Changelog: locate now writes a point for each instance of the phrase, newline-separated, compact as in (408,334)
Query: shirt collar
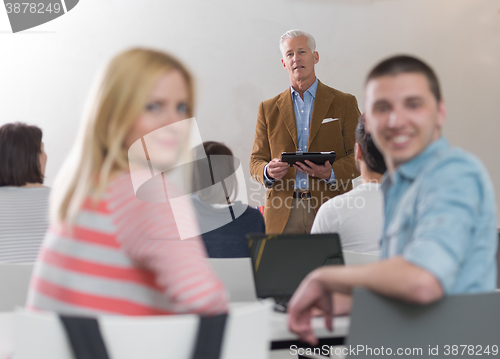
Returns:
(412,168)
(312,89)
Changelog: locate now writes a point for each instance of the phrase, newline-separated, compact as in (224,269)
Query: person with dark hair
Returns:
(24,200)
(358,215)
(224,221)
(440,230)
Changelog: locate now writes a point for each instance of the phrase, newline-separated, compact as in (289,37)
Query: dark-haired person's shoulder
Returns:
(253,215)
(254,212)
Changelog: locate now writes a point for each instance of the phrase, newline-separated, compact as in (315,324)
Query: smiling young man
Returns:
(309,117)
(440,232)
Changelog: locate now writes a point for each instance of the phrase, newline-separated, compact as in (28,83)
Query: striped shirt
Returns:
(124,256)
(23,222)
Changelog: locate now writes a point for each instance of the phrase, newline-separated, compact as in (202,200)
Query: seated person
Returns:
(110,248)
(358,215)
(224,222)
(24,200)
(440,230)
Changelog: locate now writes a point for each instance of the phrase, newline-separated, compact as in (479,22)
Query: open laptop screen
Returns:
(280,262)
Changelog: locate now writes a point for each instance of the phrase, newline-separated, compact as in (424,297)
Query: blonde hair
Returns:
(120,98)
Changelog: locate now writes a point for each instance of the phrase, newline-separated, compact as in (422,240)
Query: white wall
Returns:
(232,48)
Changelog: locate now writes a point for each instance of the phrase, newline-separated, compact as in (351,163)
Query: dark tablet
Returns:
(317,158)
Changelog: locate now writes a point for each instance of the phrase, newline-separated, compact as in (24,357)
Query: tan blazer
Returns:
(276,132)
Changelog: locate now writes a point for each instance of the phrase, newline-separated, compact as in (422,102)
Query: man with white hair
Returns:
(307,117)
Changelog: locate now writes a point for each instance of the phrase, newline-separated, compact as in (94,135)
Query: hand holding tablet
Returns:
(318,158)
(315,164)
(277,169)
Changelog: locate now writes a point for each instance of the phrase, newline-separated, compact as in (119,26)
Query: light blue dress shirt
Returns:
(303,112)
(440,215)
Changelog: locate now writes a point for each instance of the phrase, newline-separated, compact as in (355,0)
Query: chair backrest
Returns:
(41,335)
(468,319)
(237,276)
(355,258)
(14,283)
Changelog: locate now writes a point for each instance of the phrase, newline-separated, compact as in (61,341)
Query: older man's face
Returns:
(299,60)
(402,116)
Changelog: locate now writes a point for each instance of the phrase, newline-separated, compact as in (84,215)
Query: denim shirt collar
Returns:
(412,168)
(312,89)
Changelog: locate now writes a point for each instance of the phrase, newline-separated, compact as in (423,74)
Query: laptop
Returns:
(281,262)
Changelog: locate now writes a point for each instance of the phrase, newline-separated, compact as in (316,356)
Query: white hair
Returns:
(292,34)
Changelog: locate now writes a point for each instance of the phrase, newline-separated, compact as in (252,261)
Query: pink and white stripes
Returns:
(124,256)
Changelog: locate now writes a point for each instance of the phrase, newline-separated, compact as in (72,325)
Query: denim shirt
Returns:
(440,215)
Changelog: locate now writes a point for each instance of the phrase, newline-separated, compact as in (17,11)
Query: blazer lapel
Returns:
(322,103)
(285,107)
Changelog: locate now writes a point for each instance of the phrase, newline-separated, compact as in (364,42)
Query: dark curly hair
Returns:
(371,155)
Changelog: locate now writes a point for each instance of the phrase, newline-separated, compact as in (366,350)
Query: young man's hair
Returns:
(20,149)
(371,155)
(406,64)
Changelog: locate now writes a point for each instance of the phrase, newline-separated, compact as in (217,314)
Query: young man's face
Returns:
(402,116)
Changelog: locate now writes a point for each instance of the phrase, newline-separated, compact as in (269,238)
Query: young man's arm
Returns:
(393,277)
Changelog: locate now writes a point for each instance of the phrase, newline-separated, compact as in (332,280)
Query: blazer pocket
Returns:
(333,126)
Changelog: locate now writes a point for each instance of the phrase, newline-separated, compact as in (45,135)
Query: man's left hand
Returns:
(320,171)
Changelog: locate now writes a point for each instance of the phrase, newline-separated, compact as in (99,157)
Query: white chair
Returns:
(14,283)
(355,258)
(41,335)
(237,276)
(6,334)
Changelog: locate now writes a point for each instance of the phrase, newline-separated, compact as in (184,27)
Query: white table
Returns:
(280,336)
(6,334)
(279,327)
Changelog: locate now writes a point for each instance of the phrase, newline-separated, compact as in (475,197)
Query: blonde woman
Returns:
(108,252)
